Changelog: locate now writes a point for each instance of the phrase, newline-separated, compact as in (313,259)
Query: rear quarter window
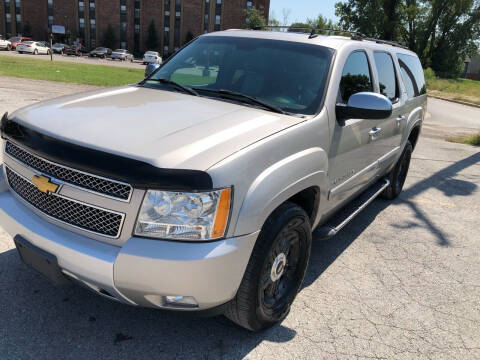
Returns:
(412,75)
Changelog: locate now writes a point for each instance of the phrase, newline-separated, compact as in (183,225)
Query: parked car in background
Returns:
(45,43)
(121,54)
(33,47)
(152,57)
(101,52)
(14,41)
(5,44)
(74,50)
(59,48)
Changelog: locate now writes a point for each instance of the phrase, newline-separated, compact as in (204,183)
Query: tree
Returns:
(286,15)
(109,38)
(152,38)
(272,20)
(441,32)
(255,18)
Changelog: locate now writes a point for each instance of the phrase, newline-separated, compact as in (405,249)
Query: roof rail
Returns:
(313,31)
(386,42)
(313,34)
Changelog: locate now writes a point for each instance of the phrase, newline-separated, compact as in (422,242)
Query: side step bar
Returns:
(352,209)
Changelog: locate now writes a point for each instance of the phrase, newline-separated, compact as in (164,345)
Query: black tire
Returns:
(398,174)
(35,52)
(287,230)
(9,47)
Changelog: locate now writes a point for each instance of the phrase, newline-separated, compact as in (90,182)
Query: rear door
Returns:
(387,144)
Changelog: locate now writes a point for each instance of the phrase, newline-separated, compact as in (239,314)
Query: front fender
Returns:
(278,183)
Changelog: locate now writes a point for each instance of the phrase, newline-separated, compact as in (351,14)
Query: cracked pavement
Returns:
(401,281)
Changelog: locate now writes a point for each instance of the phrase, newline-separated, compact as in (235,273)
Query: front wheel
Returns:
(399,173)
(9,47)
(35,52)
(275,270)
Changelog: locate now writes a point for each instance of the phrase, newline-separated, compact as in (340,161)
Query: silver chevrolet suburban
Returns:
(198,188)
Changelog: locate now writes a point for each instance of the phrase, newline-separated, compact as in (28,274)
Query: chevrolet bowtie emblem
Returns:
(44,184)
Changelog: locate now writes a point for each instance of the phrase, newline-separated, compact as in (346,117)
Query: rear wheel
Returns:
(275,270)
(35,52)
(399,173)
(9,47)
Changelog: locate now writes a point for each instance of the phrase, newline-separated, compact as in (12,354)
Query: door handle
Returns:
(374,133)
(400,119)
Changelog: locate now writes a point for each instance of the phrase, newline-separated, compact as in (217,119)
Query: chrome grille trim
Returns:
(74,213)
(93,183)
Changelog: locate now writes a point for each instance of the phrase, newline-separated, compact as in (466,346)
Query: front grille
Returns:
(74,177)
(86,217)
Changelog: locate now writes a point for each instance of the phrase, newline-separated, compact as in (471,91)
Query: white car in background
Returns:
(5,44)
(152,57)
(33,47)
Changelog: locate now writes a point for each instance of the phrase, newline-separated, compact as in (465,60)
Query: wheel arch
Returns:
(300,179)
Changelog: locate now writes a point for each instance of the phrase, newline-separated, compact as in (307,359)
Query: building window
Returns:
(218,15)
(136,35)
(93,25)
(50,13)
(249,5)
(206,18)
(123,45)
(166,30)
(178,15)
(123,22)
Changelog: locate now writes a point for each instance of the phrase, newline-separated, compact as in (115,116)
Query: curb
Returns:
(455,101)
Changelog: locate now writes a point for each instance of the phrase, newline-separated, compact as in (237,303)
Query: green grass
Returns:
(455,89)
(473,140)
(43,69)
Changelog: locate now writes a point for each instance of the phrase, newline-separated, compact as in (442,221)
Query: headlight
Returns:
(184,215)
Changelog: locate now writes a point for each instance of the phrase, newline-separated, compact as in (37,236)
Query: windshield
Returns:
(14,39)
(98,49)
(120,50)
(27,42)
(151,53)
(287,75)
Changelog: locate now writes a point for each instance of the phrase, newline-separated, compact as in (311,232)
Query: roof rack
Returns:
(386,42)
(353,34)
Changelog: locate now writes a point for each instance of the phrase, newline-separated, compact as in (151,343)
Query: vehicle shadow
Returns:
(40,321)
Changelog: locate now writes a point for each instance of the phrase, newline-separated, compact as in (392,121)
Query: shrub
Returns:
(429,74)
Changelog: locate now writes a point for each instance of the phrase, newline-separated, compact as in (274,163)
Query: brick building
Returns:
(175,21)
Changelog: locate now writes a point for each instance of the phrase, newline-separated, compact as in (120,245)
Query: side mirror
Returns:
(150,69)
(365,105)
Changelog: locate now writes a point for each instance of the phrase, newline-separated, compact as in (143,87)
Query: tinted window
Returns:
(386,75)
(412,75)
(356,76)
(284,74)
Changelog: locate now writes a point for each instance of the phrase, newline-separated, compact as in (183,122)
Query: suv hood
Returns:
(164,128)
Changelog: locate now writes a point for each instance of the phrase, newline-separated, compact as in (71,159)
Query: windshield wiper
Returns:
(185,89)
(244,98)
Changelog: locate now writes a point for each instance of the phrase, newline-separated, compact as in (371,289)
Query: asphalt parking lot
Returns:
(137,64)
(401,281)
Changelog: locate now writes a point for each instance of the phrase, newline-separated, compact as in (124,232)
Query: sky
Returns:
(303,9)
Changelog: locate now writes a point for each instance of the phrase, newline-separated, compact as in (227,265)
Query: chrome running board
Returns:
(350,210)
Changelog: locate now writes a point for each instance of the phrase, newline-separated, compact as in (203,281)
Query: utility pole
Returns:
(51,41)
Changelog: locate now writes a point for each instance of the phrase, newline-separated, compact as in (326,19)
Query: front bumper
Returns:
(141,272)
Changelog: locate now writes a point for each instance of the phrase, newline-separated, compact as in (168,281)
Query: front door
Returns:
(353,163)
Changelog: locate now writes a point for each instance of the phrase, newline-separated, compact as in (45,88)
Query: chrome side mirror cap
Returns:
(365,105)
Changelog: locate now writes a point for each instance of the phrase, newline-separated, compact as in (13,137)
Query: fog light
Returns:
(180,301)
